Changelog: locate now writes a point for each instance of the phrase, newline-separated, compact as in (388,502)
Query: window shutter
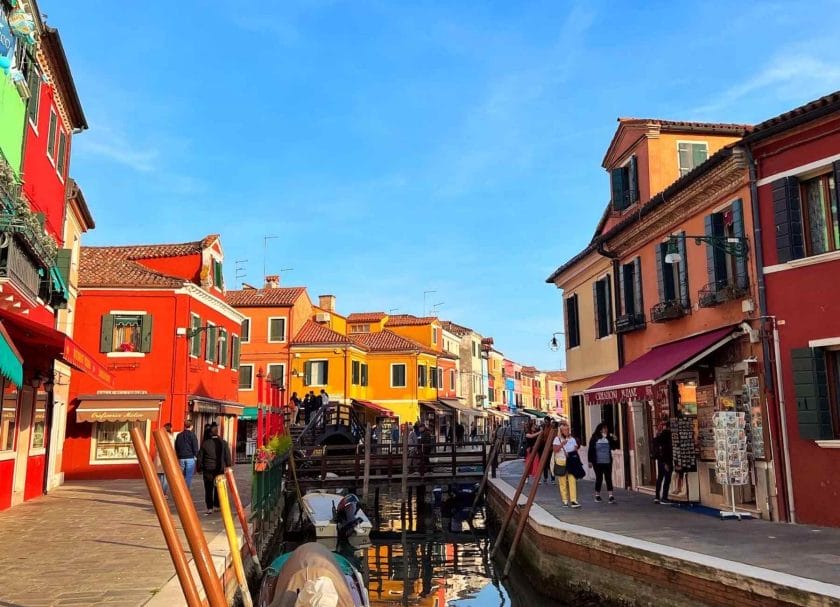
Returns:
(223,347)
(146,333)
(234,355)
(810,384)
(621,306)
(62,263)
(633,182)
(210,349)
(715,260)
(307,373)
(106,336)
(326,372)
(608,304)
(364,374)
(638,300)
(741,273)
(660,279)
(617,179)
(699,153)
(685,300)
(596,308)
(788,217)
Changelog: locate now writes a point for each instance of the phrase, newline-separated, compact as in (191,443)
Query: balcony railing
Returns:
(18,266)
(629,322)
(667,310)
(719,292)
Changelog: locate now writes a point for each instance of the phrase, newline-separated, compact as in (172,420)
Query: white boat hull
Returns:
(320,509)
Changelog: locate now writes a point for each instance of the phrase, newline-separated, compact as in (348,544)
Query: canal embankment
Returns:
(639,553)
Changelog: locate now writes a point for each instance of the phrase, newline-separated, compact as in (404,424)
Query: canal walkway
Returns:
(805,556)
(93,543)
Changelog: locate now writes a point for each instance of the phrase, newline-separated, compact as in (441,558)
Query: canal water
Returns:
(425,555)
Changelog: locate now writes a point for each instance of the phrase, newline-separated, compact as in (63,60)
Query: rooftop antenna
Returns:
(426,293)
(436,306)
(241,270)
(392,310)
(266,238)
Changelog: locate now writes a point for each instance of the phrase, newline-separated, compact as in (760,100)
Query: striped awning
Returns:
(118,407)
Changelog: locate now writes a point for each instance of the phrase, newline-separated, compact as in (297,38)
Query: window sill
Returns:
(112,462)
(803,262)
(36,451)
(126,354)
(7,455)
(828,444)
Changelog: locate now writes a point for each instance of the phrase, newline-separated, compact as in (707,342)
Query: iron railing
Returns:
(667,310)
(719,292)
(629,322)
(17,266)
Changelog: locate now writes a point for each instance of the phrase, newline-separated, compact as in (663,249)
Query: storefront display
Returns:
(732,466)
(705,423)
(113,441)
(683,441)
(756,425)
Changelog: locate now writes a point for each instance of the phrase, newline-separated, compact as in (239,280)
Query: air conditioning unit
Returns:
(322,317)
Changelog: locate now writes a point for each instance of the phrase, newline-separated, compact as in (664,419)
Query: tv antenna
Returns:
(241,270)
(266,238)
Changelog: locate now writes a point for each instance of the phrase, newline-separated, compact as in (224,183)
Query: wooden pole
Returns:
(243,520)
(483,483)
(528,461)
(366,479)
(405,464)
(233,542)
(189,521)
(167,523)
(523,515)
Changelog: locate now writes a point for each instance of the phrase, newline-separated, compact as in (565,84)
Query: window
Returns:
(39,422)
(672,278)
(51,135)
(234,352)
(725,270)
(625,185)
(630,291)
(360,328)
(221,359)
(434,335)
(433,377)
(61,161)
(113,441)
(398,375)
(8,416)
(316,373)
(126,333)
(422,379)
(364,371)
(210,347)
(195,335)
(691,154)
(246,331)
(277,372)
(603,306)
(276,330)
(491,394)
(452,379)
(816,383)
(440,378)
(218,276)
(34,102)
(475,348)
(572,321)
(820,214)
(246,377)
(355,373)
(577,422)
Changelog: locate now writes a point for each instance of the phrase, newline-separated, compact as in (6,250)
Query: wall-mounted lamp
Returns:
(554,344)
(737,246)
(190,333)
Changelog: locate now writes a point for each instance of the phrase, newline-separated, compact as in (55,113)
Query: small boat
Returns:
(312,576)
(335,515)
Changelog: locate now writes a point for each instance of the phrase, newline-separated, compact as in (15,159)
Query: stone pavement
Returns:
(92,543)
(803,550)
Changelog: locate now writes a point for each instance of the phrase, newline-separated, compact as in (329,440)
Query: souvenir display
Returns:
(683,442)
(705,425)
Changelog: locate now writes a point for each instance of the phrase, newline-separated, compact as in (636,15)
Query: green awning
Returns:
(536,413)
(11,365)
(248,413)
(58,280)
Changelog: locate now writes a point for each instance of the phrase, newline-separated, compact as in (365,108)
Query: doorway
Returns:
(26,401)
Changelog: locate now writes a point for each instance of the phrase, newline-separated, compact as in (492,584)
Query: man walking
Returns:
(158,465)
(213,458)
(186,448)
(663,451)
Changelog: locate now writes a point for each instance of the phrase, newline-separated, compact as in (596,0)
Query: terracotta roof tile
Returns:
(556,375)
(313,333)
(723,128)
(357,317)
(277,297)
(456,329)
(405,320)
(118,267)
(811,110)
(386,341)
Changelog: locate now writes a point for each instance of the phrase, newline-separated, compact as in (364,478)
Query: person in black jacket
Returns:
(663,451)
(213,458)
(186,448)
(601,446)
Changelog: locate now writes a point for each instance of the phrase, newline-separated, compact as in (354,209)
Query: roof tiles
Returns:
(273,297)
(360,317)
(406,320)
(313,333)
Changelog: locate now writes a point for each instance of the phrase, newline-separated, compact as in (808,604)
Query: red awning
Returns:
(635,380)
(40,344)
(379,409)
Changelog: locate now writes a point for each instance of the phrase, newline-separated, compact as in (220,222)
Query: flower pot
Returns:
(260,466)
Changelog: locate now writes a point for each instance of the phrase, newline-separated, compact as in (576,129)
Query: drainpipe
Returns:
(773,387)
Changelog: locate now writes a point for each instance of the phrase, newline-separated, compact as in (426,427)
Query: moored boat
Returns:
(334,515)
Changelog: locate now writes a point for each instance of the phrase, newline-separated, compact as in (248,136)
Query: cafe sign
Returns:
(612,395)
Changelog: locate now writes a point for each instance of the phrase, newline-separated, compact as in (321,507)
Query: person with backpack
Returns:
(213,458)
(186,448)
(601,446)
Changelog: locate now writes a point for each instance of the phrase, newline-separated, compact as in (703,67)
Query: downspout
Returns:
(774,388)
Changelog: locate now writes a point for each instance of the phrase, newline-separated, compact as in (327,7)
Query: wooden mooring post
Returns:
(404,488)
(366,478)
(483,484)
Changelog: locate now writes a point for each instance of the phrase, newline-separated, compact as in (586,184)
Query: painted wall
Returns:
(259,352)
(12,115)
(448,389)
(338,365)
(421,334)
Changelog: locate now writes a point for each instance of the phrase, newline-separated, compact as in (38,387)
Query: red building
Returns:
(796,161)
(157,317)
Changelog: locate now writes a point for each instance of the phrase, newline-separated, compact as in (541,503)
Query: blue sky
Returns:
(396,148)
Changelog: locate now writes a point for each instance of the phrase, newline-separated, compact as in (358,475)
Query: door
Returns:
(25,411)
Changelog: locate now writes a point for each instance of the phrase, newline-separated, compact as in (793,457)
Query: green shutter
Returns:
(364,374)
(618,191)
(682,290)
(223,347)
(622,306)
(699,153)
(608,301)
(62,262)
(638,298)
(660,274)
(633,181)
(787,210)
(106,335)
(810,384)
(195,339)
(234,352)
(210,345)
(146,333)
(741,277)
(307,373)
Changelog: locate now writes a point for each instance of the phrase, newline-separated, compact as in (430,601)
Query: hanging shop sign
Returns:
(684,443)
(611,395)
(7,39)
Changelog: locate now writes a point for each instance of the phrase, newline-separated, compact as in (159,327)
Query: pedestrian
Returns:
(213,458)
(426,442)
(395,434)
(663,451)
(206,433)
(601,446)
(564,446)
(444,430)
(460,432)
(159,465)
(186,448)
(309,406)
(473,433)
(531,435)
(294,403)
(325,398)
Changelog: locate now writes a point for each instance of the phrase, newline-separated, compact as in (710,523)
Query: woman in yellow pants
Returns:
(564,444)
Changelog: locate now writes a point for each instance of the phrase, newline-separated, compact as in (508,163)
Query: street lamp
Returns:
(737,246)
(554,344)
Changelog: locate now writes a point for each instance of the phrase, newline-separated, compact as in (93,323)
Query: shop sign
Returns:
(7,38)
(81,360)
(117,416)
(619,395)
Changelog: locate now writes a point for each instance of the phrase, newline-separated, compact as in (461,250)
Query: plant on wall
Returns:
(17,216)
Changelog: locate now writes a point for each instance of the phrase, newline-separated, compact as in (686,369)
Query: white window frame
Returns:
(242,339)
(196,336)
(690,142)
(250,366)
(434,335)
(312,375)
(405,375)
(51,153)
(268,367)
(207,343)
(285,330)
(111,462)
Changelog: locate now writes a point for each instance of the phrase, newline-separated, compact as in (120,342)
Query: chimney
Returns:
(327,302)
(272,281)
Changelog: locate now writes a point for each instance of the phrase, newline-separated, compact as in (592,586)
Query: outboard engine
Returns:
(346,517)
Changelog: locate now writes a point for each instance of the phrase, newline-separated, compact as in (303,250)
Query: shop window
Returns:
(277,372)
(577,420)
(195,335)
(246,377)
(433,383)
(126,333)
(572,321)
(602,293)
(625,185)
(246,331)
(691,154)
(316,373)
(422,375)
(39,422)
(398,375)
(8,416)
(276,330)
(113,441)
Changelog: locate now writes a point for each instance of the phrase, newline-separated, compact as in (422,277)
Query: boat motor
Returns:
(346,515)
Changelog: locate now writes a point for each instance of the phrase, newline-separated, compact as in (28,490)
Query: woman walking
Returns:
(564,445)
(531,435)
(601,446)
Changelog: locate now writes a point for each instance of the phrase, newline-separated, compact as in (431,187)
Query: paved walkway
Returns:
(802,550)
(92,543)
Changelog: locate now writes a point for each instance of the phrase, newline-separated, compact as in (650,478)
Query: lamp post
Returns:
(737,246)
(554,344)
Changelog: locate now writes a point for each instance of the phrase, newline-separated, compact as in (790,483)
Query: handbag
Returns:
(559,468)
(576,466)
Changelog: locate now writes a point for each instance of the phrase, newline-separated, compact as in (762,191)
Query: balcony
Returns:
(629,322)
(721,291)
(17,266)
(667,310)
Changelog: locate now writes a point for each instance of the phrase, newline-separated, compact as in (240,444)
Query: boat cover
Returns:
(312,577)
